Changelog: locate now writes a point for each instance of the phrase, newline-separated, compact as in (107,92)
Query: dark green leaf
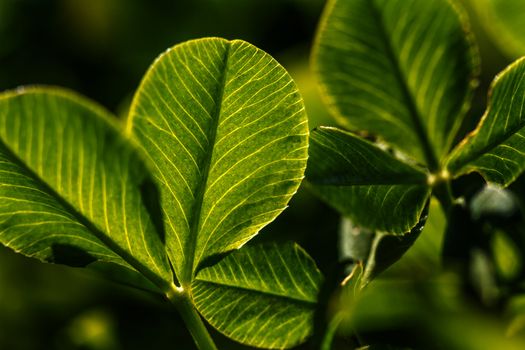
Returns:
(370,186)
(424,257)
(377,251)
(400,69)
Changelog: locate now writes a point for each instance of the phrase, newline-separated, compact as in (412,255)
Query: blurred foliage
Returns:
(101,49)
(503,21)
(423,315)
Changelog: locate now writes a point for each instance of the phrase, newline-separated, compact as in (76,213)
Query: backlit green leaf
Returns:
(496,149)
(222,140)
(69,186)
(400,69)
(365,183)
(225,130)
(262,295)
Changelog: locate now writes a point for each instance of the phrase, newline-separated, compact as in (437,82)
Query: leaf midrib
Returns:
(267,293)
(421,133)
(110,243)
(190,267)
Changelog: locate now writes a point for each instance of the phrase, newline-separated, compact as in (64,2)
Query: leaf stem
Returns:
(443,193)
(182,300)
(331,331)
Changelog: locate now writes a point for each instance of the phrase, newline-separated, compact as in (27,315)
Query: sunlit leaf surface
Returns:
(70,186)
(226,132)
(261,295)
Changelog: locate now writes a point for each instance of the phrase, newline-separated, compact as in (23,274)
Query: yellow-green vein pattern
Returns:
(224,127)
(262,295)
(69,186)
(496,149)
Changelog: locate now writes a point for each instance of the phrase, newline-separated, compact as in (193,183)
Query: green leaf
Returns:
(365,183)
(224,128)
(354,241)
(69,186)
(262,295)
(376,251)
(424,257)
(508,260)
(387,249)
(503,21)
(401,69)
(496,149)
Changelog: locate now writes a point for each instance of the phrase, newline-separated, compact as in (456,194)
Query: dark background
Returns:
(101,48)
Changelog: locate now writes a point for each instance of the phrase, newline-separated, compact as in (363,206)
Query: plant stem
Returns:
(331,330)
(182,301)
(443,193)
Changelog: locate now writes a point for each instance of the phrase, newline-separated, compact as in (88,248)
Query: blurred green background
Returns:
(101,48)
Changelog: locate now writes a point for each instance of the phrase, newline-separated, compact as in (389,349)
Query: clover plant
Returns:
(399,77)
(214,147)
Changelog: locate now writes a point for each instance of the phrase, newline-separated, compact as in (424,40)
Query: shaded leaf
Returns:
(400,69)
(377,251)
(387,249)
(262,295)
(365,183)
(424,257)
(69,186)
(354,241)
(226,133)
(496,149)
